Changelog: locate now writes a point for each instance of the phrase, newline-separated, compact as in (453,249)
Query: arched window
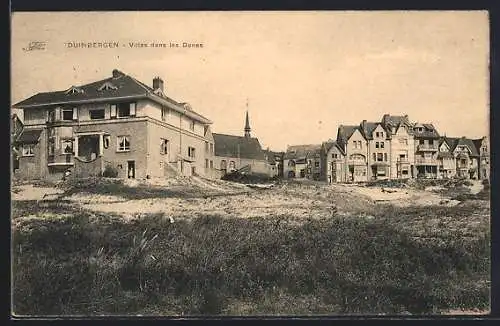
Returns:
(291,163)
(223,165)
(232,165)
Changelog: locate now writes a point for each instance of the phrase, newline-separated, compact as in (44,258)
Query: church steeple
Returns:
(247,127)
(247,124)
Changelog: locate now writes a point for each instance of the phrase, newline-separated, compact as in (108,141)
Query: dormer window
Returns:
(74,90)
(107,86)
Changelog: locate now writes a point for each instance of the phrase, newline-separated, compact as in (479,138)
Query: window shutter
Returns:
(75,113)
(132,109)
(113,111)
(162,147)
(47,116)
(58,114)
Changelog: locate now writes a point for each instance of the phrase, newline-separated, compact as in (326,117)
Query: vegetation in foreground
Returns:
(399,260)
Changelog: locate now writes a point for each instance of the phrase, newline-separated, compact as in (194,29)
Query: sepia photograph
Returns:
(250,163)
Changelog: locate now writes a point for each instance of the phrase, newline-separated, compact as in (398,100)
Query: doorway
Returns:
(131,169)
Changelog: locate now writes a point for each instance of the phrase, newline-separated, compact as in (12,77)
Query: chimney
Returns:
(158,83)
(363,125)
(117,73)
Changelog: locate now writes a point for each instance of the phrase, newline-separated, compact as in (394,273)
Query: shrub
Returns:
(110,172)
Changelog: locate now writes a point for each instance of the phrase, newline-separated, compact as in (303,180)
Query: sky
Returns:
(300,74)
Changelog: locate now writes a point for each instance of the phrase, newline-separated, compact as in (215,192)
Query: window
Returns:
(51,116)
(211,164)
(123,143)
(357,144)
(334,156)
(357,157)
(67,114)
(165,112)
(164,146)
(206,163)
(382,144)
(191,152)
(379,157)
(421,141)
(377,134)
(405,172)
(376,145)
(206,147)
(191,125)
(67,146)
(106,141)
(211,148)
(123,110)
(223,165)
(431,141)
(385,157)
(96,114)
(402,157)
(316,164)
(28,150)
(232,165)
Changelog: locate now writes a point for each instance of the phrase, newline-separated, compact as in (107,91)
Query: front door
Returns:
(131,169)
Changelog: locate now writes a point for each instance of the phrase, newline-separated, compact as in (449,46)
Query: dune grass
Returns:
(90,263)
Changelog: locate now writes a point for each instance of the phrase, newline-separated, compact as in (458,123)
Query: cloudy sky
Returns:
(304,73)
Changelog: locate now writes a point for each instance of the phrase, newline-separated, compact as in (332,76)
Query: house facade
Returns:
(426,150)
(446,159)
(483,148)
(402,147)
(118,124)
(302,162)
(333,162)
(351,139)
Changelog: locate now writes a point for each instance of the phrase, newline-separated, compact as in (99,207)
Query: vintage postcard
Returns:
(250,163)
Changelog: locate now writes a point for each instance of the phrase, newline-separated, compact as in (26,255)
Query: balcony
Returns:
(60,160)
(427,161)
(427,147)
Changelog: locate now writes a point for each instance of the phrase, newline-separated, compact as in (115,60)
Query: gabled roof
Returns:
(454,142)
(120,86)
(331,143)
(29,136)
(429,131)
(302,151)
(394,120)
(345,132)
(367,129)
(237,146)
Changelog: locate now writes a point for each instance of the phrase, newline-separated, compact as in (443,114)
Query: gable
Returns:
(444,147)
(208,134)
(356,135)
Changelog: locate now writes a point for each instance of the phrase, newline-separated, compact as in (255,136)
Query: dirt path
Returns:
(28,192)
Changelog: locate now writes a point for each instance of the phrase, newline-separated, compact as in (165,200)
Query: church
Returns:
(240,153)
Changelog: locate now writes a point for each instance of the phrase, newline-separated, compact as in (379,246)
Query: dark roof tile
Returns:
(238,146)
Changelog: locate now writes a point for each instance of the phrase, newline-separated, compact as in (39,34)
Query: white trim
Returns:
(89,133)
(60,163)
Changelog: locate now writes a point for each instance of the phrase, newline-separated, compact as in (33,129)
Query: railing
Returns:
(429,161)
(427,147)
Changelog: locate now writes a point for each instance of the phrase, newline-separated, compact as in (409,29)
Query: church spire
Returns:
(247,125)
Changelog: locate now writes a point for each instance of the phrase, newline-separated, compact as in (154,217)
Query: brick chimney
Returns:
(117,73)
(158,83)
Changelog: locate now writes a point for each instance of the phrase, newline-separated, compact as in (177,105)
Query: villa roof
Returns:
(29,136)
(118,87)
(294,152)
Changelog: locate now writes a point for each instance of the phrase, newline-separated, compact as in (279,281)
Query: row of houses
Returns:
(392,148)
(121,124)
